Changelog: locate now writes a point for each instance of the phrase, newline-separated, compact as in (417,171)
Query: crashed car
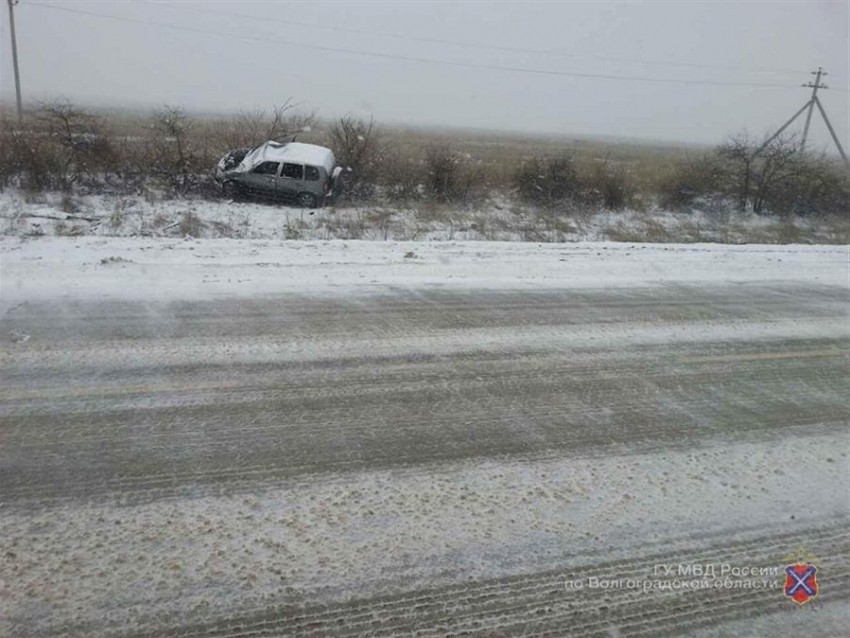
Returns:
(304,173)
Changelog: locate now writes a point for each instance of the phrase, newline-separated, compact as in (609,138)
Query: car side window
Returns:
(311,173)
(266,168)
(293,171)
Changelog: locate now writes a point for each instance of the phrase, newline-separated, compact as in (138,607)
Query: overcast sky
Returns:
(232,61)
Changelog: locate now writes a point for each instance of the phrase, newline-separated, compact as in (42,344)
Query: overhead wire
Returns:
(460,43)
(410,58)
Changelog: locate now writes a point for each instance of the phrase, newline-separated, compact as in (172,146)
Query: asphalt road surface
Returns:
(115,413)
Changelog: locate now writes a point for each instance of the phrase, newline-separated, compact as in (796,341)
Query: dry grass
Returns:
(464,181)
(834,229)
(499,151)
(190,225)
(488,159)
(648,230)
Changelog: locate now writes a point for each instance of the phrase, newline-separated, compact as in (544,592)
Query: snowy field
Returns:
(497,219)
(240,437)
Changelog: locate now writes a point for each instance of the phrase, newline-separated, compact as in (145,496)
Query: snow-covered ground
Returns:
(157,268)
(498,219)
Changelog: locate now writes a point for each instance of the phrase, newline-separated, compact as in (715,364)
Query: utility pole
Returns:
(12,4)
(813,102)
(817,85)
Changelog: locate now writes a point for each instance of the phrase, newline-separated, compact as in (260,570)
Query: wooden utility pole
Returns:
(818,74)
(18,102)
(813,102)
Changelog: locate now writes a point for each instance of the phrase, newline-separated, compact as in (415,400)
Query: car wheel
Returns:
(307,200)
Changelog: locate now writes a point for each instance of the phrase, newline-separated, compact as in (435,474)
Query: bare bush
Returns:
(80,143)
(172,158)
(822,187)
(789,182)
(776,165)
(357,146)
(734,168)
(548,181)
(27,158)
(442,172)
(59,146)
(609,184)
(560,186)
(190,225)
(751,172)
(693,178)
(401,178)
(471,183)
(449,178)
(250,128)
(774,177)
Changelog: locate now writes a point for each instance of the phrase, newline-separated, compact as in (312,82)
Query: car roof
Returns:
(295,152)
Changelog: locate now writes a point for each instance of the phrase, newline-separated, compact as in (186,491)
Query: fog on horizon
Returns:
(424,63)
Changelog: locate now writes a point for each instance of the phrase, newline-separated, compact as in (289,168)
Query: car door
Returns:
(262,177)
(291,181)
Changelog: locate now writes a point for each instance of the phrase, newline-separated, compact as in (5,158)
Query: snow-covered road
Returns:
(245,438)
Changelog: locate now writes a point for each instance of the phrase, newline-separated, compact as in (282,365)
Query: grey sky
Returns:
(96,60)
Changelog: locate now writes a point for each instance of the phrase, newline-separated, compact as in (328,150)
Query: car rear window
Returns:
(294,171)
(311,173)
(267,168)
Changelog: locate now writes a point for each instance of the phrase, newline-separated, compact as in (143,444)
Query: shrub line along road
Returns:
(412,460)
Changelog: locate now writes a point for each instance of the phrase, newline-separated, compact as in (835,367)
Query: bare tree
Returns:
(357,146)
(751,173)
(172,155)
(776,177)
(780,163)
(81,145)
(281,124)
(735,168)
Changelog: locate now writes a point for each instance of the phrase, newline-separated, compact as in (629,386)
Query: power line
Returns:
(465,44)
(406,58)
